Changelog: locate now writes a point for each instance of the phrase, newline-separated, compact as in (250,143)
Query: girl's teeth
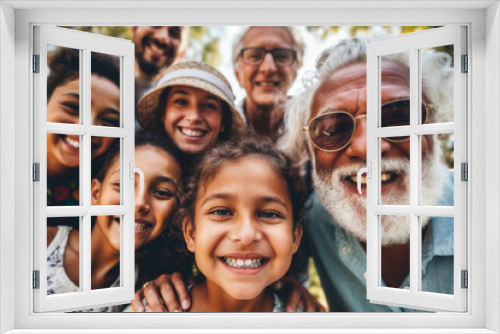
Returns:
(72,142)
(246,264)
(140,227)
(192,133)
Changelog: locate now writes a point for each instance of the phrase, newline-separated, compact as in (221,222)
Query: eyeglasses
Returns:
(332,131)
(281,56)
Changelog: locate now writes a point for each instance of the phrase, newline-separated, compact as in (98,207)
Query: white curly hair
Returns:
(437,86)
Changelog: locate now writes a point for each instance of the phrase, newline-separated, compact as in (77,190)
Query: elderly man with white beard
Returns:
(336,223)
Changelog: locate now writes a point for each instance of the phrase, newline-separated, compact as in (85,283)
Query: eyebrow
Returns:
(114,172)
(217,196)
(273,199)
(75,95)
(266,199)
(166,179)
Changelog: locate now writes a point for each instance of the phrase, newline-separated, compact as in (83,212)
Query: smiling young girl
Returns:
(241,218)
(193,105)
(153,212)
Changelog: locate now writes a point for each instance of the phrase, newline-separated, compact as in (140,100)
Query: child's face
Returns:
(192,118)
(242,236)
(153,208)
(63,107)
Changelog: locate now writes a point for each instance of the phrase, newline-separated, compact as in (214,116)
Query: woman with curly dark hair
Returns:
(63,106)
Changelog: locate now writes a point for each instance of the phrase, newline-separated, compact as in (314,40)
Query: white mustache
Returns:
(397,166)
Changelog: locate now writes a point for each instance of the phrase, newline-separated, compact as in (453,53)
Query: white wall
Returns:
(492,151)
(7,166)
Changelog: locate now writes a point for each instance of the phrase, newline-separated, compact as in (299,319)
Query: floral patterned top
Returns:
(63,192)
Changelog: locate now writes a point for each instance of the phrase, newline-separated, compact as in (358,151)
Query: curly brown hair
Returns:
(64,65)
(176,254)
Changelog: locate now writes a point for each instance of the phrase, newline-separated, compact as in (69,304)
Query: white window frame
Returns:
(86,43)
(483,20)
(414,43)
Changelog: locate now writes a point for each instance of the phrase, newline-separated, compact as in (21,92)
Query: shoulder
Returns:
(51,234)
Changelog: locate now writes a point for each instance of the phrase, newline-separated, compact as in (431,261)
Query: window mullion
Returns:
(414,171)
(85,176)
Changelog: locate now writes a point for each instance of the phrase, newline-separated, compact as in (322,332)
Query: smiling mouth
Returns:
(159,50)
(244,263)
(192,133)
(141,225)
(73,143)
(385,177)
(267,84)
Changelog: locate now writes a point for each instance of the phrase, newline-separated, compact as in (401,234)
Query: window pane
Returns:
(437,254)
(63,85)
(395,172)
(106,157)
(437,170)
(395,250)
(105,90)
(437,88)
(395,103)
(105,242)
(63,256)
(63,169)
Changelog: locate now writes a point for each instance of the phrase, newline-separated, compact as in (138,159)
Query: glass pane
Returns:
(437,254)
(395,91)
(105,241)
(63,169)
(437,186)
(105,187)
(437,83)
(63,85)
(395,172)
(395,250)
(105,89)
(63,256)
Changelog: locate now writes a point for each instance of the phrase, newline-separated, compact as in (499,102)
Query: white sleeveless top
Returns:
(57,279)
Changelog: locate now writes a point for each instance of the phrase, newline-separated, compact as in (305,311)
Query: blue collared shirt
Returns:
(341,260)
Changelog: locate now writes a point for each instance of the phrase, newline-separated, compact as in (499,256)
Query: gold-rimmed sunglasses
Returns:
(333,130)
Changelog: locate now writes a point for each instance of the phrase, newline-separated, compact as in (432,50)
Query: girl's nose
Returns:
(193,114)
(246,231)
(142,202)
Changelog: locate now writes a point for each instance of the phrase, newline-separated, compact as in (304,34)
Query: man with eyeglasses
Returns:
(265,63)
(328,123)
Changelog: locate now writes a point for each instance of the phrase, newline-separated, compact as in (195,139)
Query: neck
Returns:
(56,170)
(266,120)
(104,260)
(209,297)
(395,263)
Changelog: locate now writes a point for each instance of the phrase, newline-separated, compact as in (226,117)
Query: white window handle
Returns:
(139,171)
(362,171)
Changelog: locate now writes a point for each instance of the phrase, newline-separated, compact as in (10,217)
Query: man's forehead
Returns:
(351,79)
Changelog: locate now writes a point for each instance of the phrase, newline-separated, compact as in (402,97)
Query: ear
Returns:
(239,77)
(297,236)
(95,191)
(189,234)
(134,30)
